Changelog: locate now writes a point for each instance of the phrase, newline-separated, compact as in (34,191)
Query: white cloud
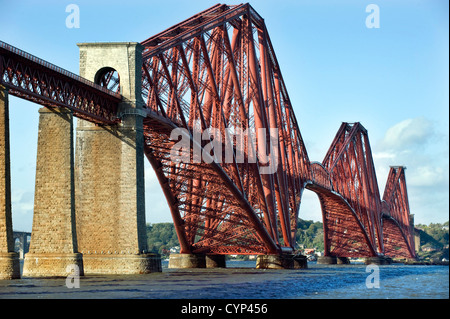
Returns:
(383,155)
(22,205)
(427,176)
(417,144)
(408,134)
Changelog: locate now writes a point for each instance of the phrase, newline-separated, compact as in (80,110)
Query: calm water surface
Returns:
(241,281)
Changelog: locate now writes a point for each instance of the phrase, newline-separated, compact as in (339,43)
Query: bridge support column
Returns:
(187,260)
(378,260)
(196,261)
(327,260)
(23,243)
(110,171)
(300,262)
(333,260)
(53,244)
(9,260)
(215,261)
(110,199)
(343,260)
(283,261)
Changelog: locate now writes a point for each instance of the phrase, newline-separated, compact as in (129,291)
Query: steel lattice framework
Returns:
(39,81)
(351,210)
(357,222)
(398,232)
(218,70)
(209,79)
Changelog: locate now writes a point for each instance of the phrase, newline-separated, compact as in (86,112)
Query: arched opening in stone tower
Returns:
(108,78)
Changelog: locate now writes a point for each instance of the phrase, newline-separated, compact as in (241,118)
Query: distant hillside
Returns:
(309,235)
(161,237)
(434,238)
(433,235)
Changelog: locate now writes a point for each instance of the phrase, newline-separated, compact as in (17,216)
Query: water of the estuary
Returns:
(240,280)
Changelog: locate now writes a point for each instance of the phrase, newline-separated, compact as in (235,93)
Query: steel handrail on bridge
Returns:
(320,175)
(39,81)
(56,68)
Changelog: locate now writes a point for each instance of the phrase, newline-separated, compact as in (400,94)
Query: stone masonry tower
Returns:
(53,245)
(109,170)
(9,260)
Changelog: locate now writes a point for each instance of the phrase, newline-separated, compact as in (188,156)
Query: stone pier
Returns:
(283,261)
(378,260)
(187,260)
(327,260)
(343,260)
(9,260)
(333,260)
(110,170)
(53,244)
(215,261)
(196,261)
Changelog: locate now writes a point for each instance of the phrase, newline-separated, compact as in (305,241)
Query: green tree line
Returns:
(434,240)
(434,235)
(162,236)
(309,235)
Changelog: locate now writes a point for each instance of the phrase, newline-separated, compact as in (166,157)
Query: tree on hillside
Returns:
(161,237)
(436,234)
(309,234)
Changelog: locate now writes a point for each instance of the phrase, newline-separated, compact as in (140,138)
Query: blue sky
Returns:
(393,79)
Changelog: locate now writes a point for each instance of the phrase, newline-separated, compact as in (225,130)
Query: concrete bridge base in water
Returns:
(196,261)
(333,260)
(284,261)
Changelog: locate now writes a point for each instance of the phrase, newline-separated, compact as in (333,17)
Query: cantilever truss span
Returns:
(357,222)
(222,137)
(218,71)
(397,223)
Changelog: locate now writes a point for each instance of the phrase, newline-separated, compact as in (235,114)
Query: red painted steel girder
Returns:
(398,225)
(352,175)
(210,71)
(357,222)
(344,235)
(36,80)
(218,70)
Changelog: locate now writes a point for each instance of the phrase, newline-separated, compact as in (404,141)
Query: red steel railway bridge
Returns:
(213,75)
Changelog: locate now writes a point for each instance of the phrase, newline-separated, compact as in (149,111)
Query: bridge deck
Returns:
(39,81)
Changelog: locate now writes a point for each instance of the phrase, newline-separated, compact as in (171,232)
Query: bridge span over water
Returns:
(206,104)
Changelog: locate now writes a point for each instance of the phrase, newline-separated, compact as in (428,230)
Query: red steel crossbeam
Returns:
(34,79)
(218,70)
(352,174)
(398,228)
(353,212)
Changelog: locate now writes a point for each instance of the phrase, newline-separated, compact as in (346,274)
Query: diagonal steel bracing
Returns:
(212,78)
(39,81)
(218,70)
